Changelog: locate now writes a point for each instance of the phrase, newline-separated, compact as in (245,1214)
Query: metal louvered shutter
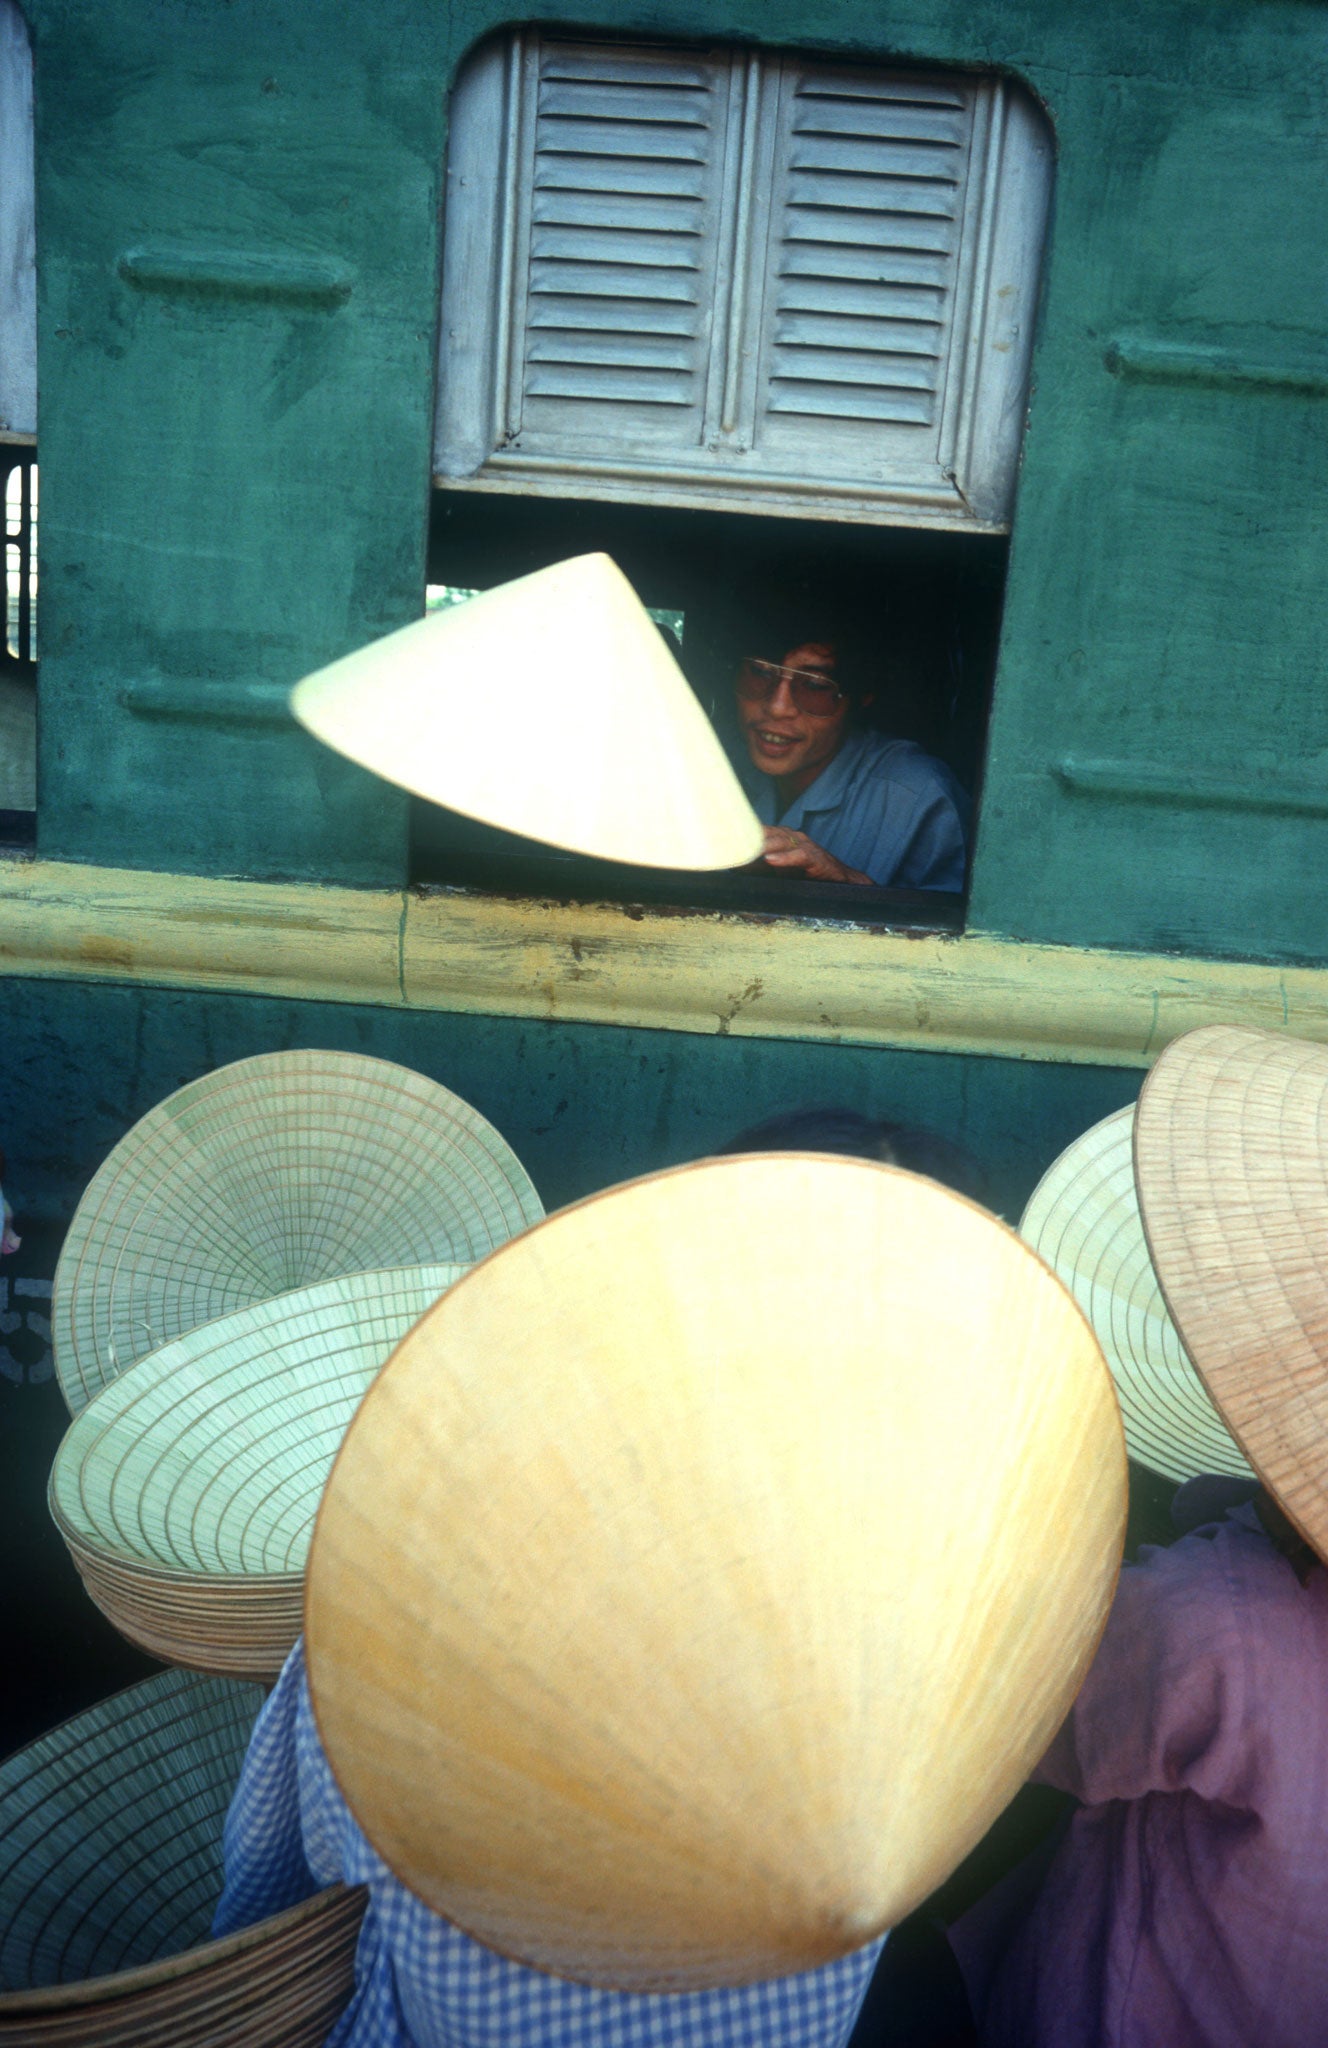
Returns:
(739,278)
(616,296)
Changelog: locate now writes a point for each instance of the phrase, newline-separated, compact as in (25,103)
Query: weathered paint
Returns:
(238,214)
(584,1106)
(701,973)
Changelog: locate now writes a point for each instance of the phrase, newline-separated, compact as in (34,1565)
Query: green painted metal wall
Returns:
(238,239)
(584,1105)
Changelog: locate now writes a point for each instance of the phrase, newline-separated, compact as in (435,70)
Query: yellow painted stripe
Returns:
(602,964)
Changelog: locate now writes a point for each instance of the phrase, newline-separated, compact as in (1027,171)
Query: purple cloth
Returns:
(1187,1905)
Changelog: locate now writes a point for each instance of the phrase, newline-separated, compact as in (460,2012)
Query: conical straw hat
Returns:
(187,1488)
(282,1983)
(552,707)
(110,1867)
(110,1829)
(1231,1156)
(703,1574)
(267,1175)
(1083,1219)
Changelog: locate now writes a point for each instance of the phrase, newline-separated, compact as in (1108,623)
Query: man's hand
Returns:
(785,848)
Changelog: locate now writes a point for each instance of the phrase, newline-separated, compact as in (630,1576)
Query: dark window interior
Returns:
(923,607)
(18,651)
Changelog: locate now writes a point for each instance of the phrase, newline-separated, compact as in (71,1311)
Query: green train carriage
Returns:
(244,355)
(278,383)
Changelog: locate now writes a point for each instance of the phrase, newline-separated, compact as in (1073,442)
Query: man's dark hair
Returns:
(855,668)
(847,1131)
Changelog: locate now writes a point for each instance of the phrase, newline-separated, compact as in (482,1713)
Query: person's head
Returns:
(795,713)
(856,1136)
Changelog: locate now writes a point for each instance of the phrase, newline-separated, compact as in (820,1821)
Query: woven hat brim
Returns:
(110,1829)
(1083,1219)
(270,1174)
(186,1490)
(110,1868)
(1231,1159)
(694,1641)
(280,1984)
(548,706)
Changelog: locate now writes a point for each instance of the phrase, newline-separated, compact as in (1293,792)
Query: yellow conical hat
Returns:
(699,1580)
(549,706)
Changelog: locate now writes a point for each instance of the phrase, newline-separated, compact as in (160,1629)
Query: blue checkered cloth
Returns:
(422,1983)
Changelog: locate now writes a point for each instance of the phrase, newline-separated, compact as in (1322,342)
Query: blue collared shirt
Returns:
(422,1983)
(883,806)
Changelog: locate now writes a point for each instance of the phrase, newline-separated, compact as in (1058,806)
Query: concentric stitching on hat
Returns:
(1083,1218)
(479,1179)
(1226,1113)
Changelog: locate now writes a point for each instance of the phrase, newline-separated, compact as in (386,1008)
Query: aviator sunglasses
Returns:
(815,695)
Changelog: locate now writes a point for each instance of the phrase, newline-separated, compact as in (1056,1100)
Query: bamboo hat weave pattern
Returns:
(1231,1158)
(1083,1219)
(549,706)
(270,1174)
(187,1489)
(110,1866)
(678,1617)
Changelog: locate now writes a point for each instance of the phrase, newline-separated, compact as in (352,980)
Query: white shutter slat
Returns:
(628,211)
(571,64)
(603,315)
(609,283)
(906,89)
(852,402)
(871,193)
(867,368)
(859,157)
(913,336)
(860,283)
(890,229)
(881,117)
(890,297)
(600,243)
(649,177)
(677,140)
(651,351)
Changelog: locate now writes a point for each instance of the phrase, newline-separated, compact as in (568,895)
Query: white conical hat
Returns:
(272,1173)
(1083,1218)
(549,706)
(701,1577)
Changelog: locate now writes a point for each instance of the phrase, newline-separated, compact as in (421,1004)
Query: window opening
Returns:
(758,326)
(928,603)
(18,665)
(21,563)
(440,597)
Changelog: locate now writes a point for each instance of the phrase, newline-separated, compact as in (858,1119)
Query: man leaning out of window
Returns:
(840,802)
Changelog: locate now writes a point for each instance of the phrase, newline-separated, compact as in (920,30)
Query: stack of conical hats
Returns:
(187,1489)
(210,1388)
(702,1575)
(110,1868)
(1191,1229)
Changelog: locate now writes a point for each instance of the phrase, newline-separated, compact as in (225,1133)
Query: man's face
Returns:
(785,740)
